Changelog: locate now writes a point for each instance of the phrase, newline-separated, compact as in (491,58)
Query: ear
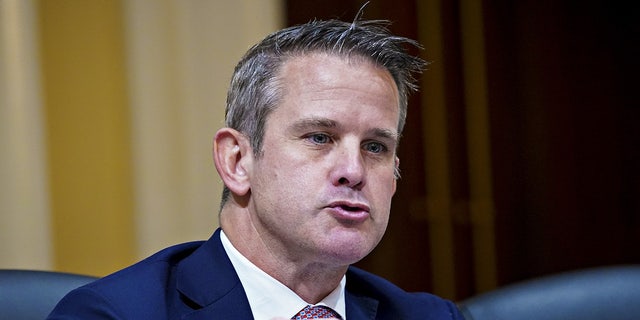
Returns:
(233,156)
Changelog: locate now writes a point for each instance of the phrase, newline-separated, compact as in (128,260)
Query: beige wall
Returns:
(108,109)
(24,205)
(181,56)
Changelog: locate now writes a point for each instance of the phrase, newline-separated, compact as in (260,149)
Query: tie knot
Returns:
(316,312)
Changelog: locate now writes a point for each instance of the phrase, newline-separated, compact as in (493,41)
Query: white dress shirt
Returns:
(268,297)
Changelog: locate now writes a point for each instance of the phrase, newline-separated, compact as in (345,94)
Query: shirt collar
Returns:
(269,298)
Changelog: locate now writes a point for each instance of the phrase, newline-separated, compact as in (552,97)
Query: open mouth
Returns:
(350,208)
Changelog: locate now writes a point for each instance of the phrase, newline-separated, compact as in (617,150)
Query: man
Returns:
(308,159)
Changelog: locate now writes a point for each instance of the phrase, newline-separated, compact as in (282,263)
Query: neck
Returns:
(310,280)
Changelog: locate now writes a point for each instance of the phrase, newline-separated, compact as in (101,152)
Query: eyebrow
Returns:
(314,122)
(319,122)
(386,134)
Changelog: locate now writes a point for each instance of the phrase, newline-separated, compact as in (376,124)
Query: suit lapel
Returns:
(208,279)
(360,307)
(233,305)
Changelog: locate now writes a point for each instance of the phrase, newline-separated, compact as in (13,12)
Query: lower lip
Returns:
(349,216)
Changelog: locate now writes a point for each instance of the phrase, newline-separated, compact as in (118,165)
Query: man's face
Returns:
(321,190)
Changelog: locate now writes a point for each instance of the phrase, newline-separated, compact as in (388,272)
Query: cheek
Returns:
(394,186)
(383,194)
(286,178)
(387,183)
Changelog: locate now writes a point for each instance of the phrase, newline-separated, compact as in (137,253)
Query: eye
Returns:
(319,138)
(375,147)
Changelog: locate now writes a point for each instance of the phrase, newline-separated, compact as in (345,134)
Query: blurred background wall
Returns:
(108,110)
(519,158)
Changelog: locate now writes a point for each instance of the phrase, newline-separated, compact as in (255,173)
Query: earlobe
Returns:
(232,156)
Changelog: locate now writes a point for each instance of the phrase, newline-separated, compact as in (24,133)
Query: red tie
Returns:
(316,312)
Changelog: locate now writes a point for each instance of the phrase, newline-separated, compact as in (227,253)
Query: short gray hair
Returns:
(255,87)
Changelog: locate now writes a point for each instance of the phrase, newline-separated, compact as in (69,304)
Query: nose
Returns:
(349,168)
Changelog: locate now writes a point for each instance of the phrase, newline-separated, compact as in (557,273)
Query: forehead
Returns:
(318,61)
(325,84)
(329,74)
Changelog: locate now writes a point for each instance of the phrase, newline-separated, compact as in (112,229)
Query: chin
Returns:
(346,253)
(350,245)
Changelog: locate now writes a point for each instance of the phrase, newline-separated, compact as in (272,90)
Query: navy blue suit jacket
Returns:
(197,281)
